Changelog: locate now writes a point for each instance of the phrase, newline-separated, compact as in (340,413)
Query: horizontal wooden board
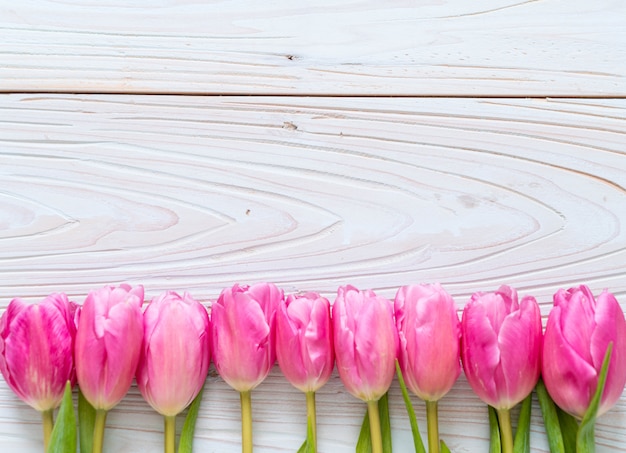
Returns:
(365,47)
(197,193)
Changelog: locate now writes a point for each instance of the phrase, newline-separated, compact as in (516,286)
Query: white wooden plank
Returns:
(452,47)
(192,193)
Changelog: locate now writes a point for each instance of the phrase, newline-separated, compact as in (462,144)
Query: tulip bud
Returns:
(366,342)
(501,346)
(108,344)
(578,333)
(429,332)
(175,354)
(37,349)
(304,342)
(243,334)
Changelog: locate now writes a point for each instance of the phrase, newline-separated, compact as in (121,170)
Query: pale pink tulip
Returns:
(175,355)
(501,346)
(37,349)
(578,333)
(429,331)
(108,344)
(243,334)
(304,342)
(366,342)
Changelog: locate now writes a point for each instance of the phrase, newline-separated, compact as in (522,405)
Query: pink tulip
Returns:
(304,342)
(243,334)
(429,331)
(366,342)
(108,344)
(578,333)
(501,346)
(36,349)
(175,355)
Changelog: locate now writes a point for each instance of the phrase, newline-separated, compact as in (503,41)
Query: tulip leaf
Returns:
(443,447)
(585,440)
(521,444)
(86,423)
(63,437)
(417,438)
(185,443)
(569,429)
(303,447)
(495,445)
(550,419)
(364,444)
(385,422)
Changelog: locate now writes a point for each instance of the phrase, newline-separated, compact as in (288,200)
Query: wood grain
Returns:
(197,193)
(365,47)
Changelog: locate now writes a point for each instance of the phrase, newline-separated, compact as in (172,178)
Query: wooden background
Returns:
(191,145)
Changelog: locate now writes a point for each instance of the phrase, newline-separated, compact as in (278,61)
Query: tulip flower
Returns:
(366,344)
(37,352)
(429,331)
(578,333)
(304,347)
(108,345)
(175,356)
(501,351)
(243,342)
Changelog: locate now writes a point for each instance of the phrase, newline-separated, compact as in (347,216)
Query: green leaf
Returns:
(185,443)
(63,438)
(550,419)
(303,447)
(417,438)
(443,447)
(585,440)
(364,444)
(385,422)
(569,429)
(521,444)
(86,423)
(495,446)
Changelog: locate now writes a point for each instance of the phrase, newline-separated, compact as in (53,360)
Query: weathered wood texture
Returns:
(196,193)
(369,47)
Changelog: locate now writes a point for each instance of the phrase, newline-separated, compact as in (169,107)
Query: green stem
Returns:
(375,434)
(170,433)
(246,422)
(506,431)
(98,430)
(48,424)
(433,426)
(312,420)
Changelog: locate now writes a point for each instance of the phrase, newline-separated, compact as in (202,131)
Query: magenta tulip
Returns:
(175,355)
(366,347)
(366,342)
(429,331)
(243,333)
(501,346)
(243,342)
(304,348)
(304,342)
(108,344)
(577,336)
(37,349)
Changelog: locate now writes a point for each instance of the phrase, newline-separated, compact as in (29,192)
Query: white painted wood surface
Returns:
(196,193)
(364,47)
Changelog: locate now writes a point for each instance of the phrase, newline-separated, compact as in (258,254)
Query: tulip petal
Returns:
(610,327)
(569,378)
